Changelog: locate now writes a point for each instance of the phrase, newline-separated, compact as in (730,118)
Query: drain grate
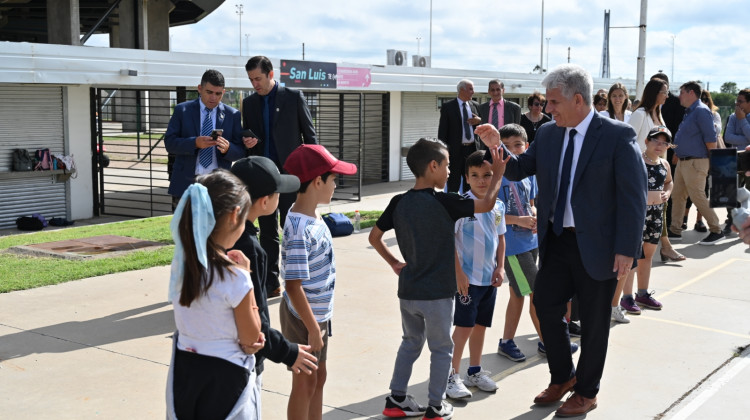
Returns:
(87,248)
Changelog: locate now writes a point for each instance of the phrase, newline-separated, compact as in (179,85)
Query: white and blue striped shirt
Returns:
(477,239)
(307,255)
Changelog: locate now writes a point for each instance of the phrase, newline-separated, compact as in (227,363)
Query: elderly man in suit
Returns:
(280,119)
(498,111)
(591,211)
(189,138)
(457,118)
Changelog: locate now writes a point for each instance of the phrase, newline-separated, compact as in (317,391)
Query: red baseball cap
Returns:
(311,160)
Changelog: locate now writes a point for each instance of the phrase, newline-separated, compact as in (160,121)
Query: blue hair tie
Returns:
(203,225)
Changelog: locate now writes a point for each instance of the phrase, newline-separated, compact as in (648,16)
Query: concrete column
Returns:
(78,143)
(63,22)
(394,153)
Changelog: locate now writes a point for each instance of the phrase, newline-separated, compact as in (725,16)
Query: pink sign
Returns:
(353,77)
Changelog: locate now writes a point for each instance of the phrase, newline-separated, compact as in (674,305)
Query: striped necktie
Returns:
(205,157)
(495,118)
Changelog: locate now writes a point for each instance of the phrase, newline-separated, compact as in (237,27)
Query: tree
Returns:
(729,87)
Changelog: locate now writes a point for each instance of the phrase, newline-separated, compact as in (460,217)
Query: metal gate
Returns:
(131,164)
(130,160)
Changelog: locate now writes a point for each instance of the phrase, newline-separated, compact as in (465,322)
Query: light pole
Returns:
(419,38)
(673,37)
(541,42)
(247,45)
(547,68)
(239,13)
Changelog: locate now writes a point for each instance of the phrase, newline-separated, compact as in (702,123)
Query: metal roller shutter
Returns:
(31,117)
(419,118)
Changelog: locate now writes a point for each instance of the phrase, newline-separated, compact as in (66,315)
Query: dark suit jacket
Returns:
(450,130)
(292,124)
(511,112)
(184,127)
(608,196)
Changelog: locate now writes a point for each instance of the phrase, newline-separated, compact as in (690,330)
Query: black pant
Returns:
(458,168)
(269,238)
(560,277)
(206,387)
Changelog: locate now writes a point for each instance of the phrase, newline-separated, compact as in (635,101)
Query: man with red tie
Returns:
(498,111)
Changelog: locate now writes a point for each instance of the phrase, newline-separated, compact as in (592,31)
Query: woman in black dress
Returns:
(534,118)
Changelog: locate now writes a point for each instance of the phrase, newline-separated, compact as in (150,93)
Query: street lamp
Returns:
(547,68)
(247,45)
(239,13)
(541,47)
(419,38)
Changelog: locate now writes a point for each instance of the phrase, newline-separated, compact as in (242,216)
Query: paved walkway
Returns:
(100,347)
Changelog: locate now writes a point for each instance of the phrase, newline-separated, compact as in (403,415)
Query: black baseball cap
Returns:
(263,178)
(660,129)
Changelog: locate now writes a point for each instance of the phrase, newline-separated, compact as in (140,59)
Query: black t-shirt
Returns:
(277,349)
(424,221)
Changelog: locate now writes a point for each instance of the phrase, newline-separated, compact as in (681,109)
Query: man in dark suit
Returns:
(280,119)
(591,211)
(498,111)
(457,118)
(188,135)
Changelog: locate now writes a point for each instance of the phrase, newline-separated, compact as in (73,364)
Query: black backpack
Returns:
(21,160)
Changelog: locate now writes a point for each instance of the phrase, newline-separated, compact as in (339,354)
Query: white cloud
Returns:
(710,42)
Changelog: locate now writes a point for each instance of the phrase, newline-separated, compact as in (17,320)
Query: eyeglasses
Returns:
(740,102)
(660,143)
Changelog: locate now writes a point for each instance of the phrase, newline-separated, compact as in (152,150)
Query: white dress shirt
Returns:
(581,128)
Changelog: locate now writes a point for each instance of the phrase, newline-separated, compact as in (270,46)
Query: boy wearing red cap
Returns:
(308,270)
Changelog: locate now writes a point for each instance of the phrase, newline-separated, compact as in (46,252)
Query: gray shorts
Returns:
(295,331)
(521,270)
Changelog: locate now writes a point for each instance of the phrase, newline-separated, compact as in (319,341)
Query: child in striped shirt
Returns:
(309,271)
(480,252)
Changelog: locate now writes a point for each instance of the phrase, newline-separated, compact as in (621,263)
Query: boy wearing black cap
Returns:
(308,268)
(264,183)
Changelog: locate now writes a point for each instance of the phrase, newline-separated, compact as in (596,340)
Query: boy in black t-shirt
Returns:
(264,183)
(424,221)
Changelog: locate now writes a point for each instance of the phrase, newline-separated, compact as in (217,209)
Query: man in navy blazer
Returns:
(457,118)
(280,119)
(599,227)
(184,140)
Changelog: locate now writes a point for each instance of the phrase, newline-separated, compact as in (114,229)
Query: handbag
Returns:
(21,160)
(338,224)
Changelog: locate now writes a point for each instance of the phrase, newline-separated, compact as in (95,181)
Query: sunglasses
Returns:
(537,104)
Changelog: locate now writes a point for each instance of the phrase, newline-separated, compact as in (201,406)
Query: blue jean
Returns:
(425,320)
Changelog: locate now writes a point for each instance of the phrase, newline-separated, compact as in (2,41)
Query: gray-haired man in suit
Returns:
(591,211)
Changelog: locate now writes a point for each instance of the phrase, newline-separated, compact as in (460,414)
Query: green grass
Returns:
(22,272)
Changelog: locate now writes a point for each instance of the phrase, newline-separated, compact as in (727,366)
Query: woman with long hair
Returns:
(618,104)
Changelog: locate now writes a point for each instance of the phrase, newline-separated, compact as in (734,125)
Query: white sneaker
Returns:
(619,316)
(482,381)
(456,388)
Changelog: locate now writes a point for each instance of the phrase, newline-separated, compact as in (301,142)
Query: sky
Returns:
(708,38)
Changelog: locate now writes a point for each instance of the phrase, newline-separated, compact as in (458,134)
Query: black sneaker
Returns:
(700,226)
(408,408)
(673,237)
(727,230)
(445,412)
(574,329)
(712,239)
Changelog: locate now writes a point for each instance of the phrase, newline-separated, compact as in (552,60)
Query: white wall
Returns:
(78,143)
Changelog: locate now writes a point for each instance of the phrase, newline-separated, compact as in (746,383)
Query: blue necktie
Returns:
(467,128)
(205,157)
(562,192)
(495,119)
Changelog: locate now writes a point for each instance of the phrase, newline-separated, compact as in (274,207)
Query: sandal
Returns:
(671,255)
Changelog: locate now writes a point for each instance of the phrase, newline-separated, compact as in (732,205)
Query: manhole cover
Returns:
(87,248)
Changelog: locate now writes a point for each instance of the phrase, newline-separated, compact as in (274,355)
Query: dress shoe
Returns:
(576,405)
(555,392)
(671,255)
